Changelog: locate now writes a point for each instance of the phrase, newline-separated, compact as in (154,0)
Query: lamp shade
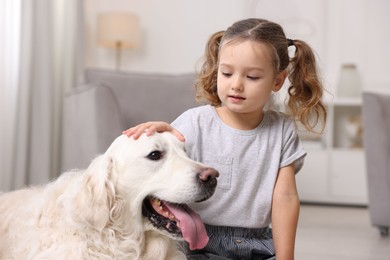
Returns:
(115,29)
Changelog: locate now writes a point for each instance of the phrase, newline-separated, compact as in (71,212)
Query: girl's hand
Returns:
(150,127)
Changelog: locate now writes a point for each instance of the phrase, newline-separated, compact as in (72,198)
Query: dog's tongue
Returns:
(191,226)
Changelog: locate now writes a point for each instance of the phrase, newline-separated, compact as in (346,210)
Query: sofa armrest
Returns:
(91,121)
(376,118)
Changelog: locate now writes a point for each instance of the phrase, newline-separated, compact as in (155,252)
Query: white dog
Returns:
(128,204)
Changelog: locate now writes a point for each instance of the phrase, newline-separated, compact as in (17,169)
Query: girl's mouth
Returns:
(236,98)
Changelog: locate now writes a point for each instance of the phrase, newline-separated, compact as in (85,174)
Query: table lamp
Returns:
(117,30)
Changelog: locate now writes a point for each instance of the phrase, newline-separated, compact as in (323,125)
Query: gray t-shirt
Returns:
(248,162)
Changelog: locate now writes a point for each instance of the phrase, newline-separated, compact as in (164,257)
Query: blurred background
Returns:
(48,45)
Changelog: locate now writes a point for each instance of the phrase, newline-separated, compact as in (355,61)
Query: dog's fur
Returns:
(97,213)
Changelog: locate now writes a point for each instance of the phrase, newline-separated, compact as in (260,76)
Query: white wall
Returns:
(174,32)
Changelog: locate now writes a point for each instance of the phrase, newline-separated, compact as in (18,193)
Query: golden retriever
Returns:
(130,203)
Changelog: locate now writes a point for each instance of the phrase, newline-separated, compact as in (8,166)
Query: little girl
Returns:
(257,151)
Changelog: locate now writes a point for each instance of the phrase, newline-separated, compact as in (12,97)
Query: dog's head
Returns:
(156,179)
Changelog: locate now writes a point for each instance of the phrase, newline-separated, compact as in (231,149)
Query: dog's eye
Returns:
(155,155)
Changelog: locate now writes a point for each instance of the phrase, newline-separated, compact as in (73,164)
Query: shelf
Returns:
(341,101)
(334,169)
(348,149)
(313,145)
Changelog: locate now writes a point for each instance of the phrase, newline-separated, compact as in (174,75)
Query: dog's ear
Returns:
(98,192)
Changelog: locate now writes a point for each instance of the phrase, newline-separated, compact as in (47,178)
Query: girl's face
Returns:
(246,76)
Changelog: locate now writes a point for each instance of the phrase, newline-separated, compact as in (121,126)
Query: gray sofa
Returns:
(110,102)
(376,119)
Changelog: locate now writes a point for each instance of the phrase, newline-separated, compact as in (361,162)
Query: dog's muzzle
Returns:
(207,177)
(179,220)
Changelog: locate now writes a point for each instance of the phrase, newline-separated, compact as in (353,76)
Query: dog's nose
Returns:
(208,176)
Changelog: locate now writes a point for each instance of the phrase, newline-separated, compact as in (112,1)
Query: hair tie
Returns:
(290,42)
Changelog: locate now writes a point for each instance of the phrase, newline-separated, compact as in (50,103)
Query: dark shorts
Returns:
(235,243)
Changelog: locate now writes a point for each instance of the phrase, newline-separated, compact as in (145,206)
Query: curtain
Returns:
(50,64)
(10,14)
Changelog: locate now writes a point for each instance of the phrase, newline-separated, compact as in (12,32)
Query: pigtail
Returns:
(206,84)
(306,89)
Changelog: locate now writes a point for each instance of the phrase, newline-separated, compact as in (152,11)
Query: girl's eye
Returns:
(155,155)
(226,74)
(253,77)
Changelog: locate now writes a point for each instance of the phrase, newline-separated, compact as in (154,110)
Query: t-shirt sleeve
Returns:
(292,151)
(183,123)
(186,124)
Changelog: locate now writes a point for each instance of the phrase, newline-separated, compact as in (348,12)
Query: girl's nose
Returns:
(237,84)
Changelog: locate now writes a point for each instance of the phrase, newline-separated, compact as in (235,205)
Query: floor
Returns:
(339,233)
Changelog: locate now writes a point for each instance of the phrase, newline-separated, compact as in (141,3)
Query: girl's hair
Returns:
(305,91)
